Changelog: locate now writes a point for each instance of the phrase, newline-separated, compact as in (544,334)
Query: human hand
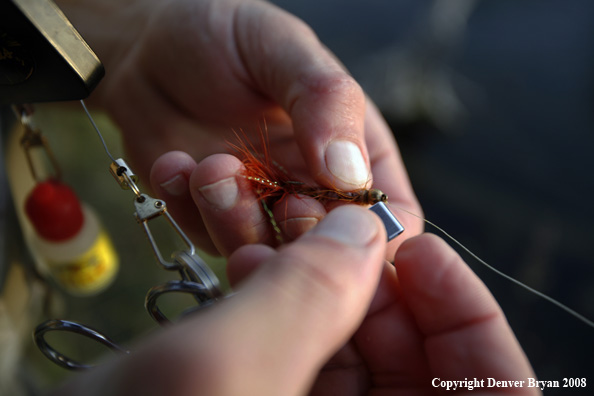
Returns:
(327,315)
(431,320)
(181,74)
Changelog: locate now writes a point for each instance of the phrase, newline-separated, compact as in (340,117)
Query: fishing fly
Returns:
(272,181)
(272,184)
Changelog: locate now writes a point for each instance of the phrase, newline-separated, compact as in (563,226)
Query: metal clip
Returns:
(148,208)
(198,290)
(197,280)
(196,270)
(393,226)
(33,138)
(72,327)
(124,176)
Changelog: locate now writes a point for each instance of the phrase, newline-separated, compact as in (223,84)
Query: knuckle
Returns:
(334,83)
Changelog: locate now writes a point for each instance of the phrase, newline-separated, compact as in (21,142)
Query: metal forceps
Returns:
(72,327)
(196,276)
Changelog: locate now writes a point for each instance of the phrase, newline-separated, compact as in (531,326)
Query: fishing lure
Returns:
(273,183)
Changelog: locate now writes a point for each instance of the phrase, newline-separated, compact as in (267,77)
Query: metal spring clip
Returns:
(196,276)
(32,139)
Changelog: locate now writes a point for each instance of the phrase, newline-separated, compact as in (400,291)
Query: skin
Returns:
(348,327)
(181,77)
(325,314)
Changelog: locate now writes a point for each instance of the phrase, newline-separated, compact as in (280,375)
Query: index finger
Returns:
(342,136)
(327,107)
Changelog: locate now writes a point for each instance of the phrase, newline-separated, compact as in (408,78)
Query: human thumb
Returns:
(304,302)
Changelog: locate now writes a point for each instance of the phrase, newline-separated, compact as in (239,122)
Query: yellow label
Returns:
(92,271)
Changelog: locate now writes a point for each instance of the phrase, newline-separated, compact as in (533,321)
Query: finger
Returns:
(248,257)
(232,212)
(466,332)
(227,204)
(389,342)
(302,304)
(390,176)
(245,260)
(169,179)
(289,64)
(296,215)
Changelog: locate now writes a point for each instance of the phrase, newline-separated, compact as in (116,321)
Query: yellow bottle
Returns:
(77,252)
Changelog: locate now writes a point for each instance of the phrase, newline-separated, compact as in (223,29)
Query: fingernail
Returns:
(176,186)
(221,195)
(294,227)
(345,161)
(349,225)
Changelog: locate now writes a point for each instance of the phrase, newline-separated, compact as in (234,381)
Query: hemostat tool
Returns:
(197,278)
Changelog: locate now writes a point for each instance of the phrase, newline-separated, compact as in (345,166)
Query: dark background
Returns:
(497,132)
